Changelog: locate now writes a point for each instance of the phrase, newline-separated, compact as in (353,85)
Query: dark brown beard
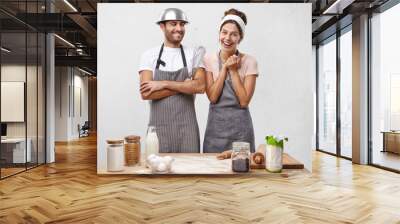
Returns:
(172,40)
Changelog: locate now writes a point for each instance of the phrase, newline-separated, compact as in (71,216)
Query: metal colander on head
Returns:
(172,14)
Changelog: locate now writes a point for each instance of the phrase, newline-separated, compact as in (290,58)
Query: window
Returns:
(346,93)
(385,89)
(327,96)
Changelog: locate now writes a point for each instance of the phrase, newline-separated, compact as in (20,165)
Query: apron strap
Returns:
(161,62)
(183,57)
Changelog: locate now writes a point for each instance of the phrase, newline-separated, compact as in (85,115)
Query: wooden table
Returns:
(391,141)
(14,152)
(200,164)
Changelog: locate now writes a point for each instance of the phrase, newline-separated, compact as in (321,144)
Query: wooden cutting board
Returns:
(198,164)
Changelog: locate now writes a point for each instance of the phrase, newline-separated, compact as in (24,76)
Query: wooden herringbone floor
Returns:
(69,191)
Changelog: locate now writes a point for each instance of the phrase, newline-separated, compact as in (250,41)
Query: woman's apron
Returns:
(174,117)
(227,121)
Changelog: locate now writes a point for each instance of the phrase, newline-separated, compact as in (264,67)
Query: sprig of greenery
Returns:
(275,140)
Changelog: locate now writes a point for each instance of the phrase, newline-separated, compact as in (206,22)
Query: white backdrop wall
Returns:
(278,35)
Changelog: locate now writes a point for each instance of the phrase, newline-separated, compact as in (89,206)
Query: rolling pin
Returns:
(225,155)
(257,158)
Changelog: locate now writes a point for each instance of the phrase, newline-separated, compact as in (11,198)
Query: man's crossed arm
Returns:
(153,90)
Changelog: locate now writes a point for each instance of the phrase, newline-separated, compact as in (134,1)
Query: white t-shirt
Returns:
(172,58)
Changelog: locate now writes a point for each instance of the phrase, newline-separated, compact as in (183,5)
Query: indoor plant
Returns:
(274,153)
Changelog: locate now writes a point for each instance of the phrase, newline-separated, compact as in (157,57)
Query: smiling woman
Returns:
(231,80)
(237,18)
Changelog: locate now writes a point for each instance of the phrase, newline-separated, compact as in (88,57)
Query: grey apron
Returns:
(227,122)
(174,117)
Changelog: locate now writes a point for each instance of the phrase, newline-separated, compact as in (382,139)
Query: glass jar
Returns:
(152,145)
(240,156)
(132,150)
(115,155)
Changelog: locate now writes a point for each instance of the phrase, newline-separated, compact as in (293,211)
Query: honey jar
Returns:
(132,150)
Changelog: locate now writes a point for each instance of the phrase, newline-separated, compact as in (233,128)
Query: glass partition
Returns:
(22,77)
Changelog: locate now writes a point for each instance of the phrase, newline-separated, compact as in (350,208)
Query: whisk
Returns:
(198,55)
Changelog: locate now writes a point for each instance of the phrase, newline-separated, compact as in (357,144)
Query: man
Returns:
(170,75)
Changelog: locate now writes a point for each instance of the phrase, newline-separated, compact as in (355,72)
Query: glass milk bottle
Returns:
(151,142)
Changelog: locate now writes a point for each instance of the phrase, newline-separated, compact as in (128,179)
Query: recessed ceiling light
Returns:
(84,71)
(64,40)
(338,6)
(5,50)
(70,5)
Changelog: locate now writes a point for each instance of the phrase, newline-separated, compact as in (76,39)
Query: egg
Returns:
(157,161)
(152,156)
(169,162)
(162,167)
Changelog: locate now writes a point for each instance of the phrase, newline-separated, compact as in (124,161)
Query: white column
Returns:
(50,99)
(360,90)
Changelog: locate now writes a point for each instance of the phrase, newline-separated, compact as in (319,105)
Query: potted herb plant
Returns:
(274,153)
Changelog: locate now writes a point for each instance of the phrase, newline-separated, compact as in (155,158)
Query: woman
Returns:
(231,80)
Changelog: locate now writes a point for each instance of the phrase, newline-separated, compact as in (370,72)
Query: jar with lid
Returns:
(132,150)
(115,155)
(241,156)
